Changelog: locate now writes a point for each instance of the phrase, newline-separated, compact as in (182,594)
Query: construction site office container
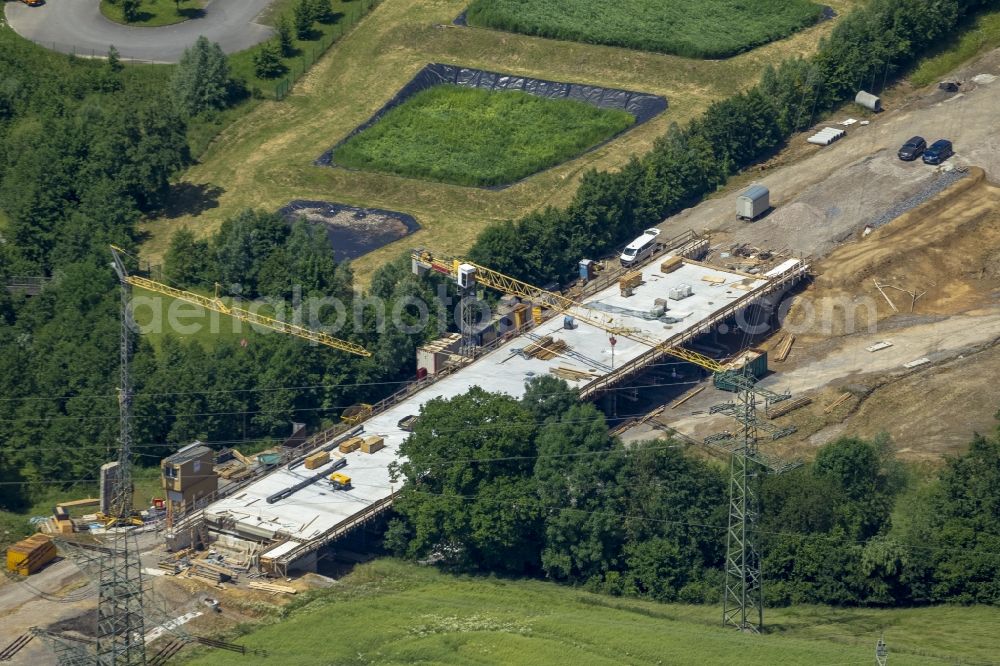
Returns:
(753,202)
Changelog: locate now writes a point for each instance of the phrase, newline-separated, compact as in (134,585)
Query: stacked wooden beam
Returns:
(844,397)
(171,567)
(350,445)
(212,573)
(545,348)
(272,588)
(787,406)
(680,401)
(629,282)
(572,374)
(671,264)
(784,347)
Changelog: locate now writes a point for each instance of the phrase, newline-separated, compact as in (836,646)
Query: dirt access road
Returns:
(823,196)
(77,26)
(949,249)
(59,592)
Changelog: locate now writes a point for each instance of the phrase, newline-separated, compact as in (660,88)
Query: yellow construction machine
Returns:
(340,481)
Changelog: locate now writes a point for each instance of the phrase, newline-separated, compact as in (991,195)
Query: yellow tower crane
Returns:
(467,273)
(218,305)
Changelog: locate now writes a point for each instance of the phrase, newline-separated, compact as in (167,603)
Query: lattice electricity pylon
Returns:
(92,560)
(881,652)
(120,620)
(743,597)
(120,608)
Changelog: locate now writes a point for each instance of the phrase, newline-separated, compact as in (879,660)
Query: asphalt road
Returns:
(77,26)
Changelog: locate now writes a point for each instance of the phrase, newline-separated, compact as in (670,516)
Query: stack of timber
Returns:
(572,374)
(350,445)
(671,264)
(545,348)
(317,460)
(170,567)
(786,406)
(372,443)
(213,573)
(29,555)
(272,588)
(784,347)
(629,282)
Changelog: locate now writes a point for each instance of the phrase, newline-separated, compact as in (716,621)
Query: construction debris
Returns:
(844,397)
(887,299)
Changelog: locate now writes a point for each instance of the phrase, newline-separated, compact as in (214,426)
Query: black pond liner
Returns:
(367,228)
(642,106)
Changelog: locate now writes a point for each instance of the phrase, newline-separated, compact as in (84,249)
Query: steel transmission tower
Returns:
(743,597)
(120,622)
(881,652)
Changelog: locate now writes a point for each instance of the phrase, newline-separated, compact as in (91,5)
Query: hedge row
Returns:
(868,48)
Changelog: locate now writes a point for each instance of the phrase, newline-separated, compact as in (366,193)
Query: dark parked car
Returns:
(939,151)
(912,149)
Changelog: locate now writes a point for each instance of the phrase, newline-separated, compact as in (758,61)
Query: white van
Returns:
(641,248)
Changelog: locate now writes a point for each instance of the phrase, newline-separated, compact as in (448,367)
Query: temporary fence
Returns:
(313,52)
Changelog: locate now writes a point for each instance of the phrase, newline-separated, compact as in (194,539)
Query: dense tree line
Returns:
(537,487)
(87,149)
(868,48)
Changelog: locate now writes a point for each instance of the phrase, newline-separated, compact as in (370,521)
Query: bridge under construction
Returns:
(280,520)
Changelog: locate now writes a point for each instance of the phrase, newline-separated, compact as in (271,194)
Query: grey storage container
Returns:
(753,202)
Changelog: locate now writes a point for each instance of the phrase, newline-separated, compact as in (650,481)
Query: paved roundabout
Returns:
(77,26)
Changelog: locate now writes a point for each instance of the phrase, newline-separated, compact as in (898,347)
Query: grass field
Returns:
(695,28)
(389,612)
(155,12)
(264,159)
(468,136)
